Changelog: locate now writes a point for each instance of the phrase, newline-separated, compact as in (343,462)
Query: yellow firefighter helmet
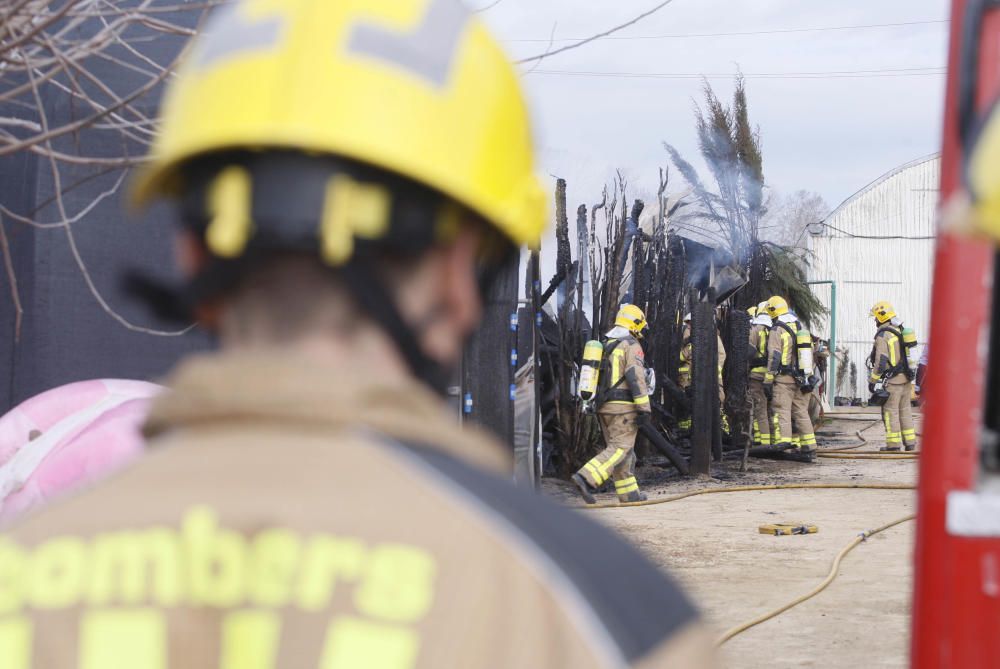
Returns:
(416,88)
(631,317)
(883,312)
(777,306)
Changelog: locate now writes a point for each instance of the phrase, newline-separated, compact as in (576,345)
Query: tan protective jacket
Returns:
(782,354)
(887,355)
(295,516)
(685,371)
(758,349)
(627,390)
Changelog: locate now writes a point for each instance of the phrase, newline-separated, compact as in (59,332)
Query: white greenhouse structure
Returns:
(877,245)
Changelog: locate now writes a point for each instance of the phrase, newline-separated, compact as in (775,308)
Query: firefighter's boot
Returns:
(634,496)
(891,449)
(584,487)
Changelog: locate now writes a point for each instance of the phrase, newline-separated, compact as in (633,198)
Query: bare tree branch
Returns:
(487,7)
(598,36)
(15,294)
(101,61)
(552,39)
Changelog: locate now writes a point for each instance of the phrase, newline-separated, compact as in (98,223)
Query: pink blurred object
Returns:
(68,437)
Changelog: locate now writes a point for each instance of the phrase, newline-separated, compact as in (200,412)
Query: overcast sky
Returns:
(824,134)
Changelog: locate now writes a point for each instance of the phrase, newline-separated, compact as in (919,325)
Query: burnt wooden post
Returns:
(737,382)
(704,368)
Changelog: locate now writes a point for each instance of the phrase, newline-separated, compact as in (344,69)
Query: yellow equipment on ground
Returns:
(785,529)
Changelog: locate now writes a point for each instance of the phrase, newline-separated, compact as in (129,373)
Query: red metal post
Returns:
(956,615)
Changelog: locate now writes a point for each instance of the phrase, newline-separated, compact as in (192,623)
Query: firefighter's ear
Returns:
(189,252)
(440,298)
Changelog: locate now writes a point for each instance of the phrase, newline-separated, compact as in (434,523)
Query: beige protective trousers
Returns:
(761,413)
(791,410)
(897,416)
(617,460)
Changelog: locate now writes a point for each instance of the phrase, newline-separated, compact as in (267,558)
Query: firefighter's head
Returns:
(882,312)
(631,317)
(279,145)
(777,306)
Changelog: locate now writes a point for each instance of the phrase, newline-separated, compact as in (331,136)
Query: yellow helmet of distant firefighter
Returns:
(883,312)
(752,311)
(457,122)
(632,318)
(777,306)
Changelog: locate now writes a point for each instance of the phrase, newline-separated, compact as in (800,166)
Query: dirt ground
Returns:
(712,545)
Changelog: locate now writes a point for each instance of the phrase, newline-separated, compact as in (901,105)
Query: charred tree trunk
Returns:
(737,382)
(704,365)
(564,256)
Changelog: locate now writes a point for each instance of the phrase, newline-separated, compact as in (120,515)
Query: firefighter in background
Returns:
(821,357)
(786,382)
(308,499)
(891,379)
(684,378)
(918,382)
(685,372)
(760,327)
(622,406)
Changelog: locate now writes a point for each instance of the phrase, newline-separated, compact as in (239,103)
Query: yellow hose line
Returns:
(834,568)
(869,456)
(855,452)
(751,488)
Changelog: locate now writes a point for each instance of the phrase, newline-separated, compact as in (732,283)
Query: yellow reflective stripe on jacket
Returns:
(786,348)
(644,399)
(617,357)
(893,345)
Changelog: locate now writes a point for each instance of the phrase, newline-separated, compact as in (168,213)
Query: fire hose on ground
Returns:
(751,488)
(834,568)
(869,455)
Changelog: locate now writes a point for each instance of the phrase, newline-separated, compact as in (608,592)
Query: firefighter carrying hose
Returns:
(891,379)
(622,407)
(349,178)
(788,380)
(760,328)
